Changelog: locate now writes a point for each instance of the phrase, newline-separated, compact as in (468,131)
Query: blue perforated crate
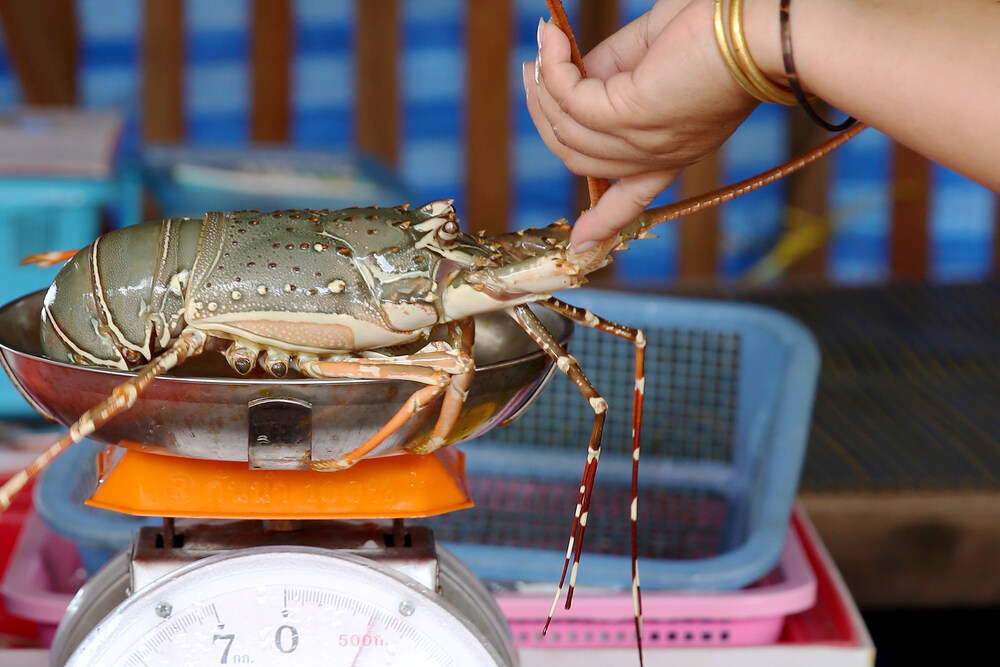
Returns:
(729,394)
(42,214)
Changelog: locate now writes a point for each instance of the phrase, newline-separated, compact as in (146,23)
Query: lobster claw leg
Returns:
(191,342)
(568,365)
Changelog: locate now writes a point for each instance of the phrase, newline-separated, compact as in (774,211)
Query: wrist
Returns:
(762,29)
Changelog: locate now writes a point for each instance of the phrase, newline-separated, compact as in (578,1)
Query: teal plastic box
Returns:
(41,214)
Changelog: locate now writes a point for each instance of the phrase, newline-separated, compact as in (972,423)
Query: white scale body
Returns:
(295,593)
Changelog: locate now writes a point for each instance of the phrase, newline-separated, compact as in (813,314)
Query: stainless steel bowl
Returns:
(203,409)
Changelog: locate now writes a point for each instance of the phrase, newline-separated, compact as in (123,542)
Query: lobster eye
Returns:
(448,231)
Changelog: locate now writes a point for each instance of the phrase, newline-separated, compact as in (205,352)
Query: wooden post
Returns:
(378,100)
(42,42)
(807,202)
(908,250)
(489,34)
(272,53)
(698,234)
(163,67)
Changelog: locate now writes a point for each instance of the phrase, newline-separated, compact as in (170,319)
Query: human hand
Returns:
(658,97)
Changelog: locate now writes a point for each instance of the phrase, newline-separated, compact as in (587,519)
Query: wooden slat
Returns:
(699,233)
(42,42)
(163,61)
(597,19)
(489,34)
(378,100)
(807,199)
(909,247)
(271,63)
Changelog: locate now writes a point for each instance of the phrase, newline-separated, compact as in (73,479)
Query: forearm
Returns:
(926,72)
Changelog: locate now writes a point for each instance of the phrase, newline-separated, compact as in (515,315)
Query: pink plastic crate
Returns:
(42,576)
(753,615)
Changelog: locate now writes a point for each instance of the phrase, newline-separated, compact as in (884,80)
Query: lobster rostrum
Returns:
(352,293)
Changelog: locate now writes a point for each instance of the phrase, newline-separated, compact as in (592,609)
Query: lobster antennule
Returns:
(49,258)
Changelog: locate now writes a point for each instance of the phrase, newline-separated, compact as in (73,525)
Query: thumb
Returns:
(620,205)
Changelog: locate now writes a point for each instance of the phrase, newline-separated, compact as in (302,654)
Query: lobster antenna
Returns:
(597,257)
(638,228)
(655,216)
(190,342)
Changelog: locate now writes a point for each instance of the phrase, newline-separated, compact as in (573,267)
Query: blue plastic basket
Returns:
(59,499)
(729,393)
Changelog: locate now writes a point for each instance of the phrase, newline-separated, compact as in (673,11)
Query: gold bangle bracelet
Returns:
(747,64)
(727,55)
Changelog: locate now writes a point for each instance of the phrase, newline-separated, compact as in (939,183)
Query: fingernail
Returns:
(582,247)
(538,66)
(538,32)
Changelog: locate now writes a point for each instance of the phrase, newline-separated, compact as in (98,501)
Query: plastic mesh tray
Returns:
(729,393)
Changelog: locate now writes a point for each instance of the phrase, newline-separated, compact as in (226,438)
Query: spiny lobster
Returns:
(364,282)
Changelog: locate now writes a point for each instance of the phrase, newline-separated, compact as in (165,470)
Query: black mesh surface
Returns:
(909,391)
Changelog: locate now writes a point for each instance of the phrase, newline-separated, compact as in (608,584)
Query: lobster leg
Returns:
(191,342)
(586,318)
(417,401)
(568,365)
(448,373)
(462,334)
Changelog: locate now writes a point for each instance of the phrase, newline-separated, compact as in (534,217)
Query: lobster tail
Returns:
(109,299)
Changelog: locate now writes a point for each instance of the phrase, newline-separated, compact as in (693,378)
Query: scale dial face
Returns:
(285,606)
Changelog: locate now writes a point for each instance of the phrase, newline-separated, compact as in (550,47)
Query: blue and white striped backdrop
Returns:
(431,154)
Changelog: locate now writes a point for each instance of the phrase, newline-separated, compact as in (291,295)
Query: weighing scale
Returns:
(259,560)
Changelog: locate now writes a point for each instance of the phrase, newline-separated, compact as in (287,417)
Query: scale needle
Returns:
(364,641)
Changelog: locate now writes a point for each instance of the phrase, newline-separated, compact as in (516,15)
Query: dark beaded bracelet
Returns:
(793,77)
